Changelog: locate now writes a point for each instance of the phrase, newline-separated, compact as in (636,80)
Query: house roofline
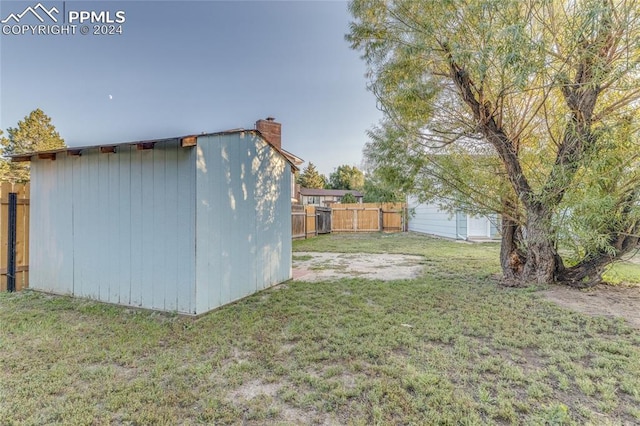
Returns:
(186,141)
(316,192)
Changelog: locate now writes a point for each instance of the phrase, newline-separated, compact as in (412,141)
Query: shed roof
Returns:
(185,141)
(329,192)
(294,158)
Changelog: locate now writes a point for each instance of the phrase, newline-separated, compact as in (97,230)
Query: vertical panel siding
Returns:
(274,218)
(83,219)
(243,218)
(173,257)
(136,220)
(208,198)
(51,254)
(463,231)
(117,227)
(429,219)
(158,222)
(103,228)
(186,222)
(121,194)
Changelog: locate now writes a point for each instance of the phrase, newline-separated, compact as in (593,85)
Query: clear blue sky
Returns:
(198,66)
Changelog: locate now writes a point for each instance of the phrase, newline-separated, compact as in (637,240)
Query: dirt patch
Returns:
(308,266)
(602,300)
(254,388)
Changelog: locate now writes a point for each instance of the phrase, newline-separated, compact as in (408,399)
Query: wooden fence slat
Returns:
(23,192)
(298,219)
(310,221)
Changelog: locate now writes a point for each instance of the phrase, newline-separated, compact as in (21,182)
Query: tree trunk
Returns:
(588,272)
(512,258)
(528,255)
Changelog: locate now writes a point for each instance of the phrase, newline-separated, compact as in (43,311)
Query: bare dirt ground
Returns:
(602,300)
(313,267)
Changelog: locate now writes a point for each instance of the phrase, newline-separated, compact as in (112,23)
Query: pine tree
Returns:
(34,133)
(310,178)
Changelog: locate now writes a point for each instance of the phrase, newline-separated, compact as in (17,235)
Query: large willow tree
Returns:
(528,109)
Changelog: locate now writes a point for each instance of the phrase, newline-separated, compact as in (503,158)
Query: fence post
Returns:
(11,242)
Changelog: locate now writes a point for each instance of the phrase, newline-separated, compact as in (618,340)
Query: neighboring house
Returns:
(428,218)
(325,197)
(183,224)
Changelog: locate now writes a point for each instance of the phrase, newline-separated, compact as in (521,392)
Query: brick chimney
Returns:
(271,130)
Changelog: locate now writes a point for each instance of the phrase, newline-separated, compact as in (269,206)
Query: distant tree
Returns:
(310,178)
(346,177)
(34,133)
(4,164)
(348,198)
(377,189)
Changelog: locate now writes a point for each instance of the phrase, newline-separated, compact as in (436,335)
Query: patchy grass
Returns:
(442,257)
(442,251)
(450,347)
(301,258)
(623,273)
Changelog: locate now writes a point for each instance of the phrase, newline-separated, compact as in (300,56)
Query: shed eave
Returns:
(187,141)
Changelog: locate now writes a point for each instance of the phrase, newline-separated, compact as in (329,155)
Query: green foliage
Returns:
(4,164)
(348,198)
(346,177)
(605,197)
(310,178)
(34,133)
(379,190)
(527,109)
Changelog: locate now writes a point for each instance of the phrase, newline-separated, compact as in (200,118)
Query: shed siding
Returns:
(53,227)
(463,231)
(429,219)
(116,227)
(494,229)
(242,216)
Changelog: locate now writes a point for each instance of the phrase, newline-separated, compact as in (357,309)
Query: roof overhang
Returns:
(187,141)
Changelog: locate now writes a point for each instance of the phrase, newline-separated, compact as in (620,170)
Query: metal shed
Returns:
(183,224)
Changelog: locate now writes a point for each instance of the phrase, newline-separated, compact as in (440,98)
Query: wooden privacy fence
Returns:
(298,219)
(368,217)
(14,236)
(309,221)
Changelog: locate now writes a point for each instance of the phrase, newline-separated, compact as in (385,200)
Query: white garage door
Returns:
(478,226)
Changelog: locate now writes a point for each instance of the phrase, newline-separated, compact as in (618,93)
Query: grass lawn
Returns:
(450,347)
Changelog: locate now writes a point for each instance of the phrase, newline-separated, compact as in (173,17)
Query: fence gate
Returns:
(355,218)
(323,220)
